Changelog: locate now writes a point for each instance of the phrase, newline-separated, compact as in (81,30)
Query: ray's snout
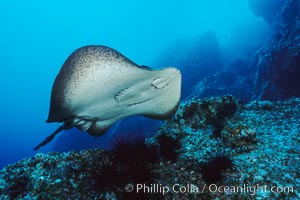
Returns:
(167,76)
(174,74)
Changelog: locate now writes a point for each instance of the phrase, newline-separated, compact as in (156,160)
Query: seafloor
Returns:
(214,148)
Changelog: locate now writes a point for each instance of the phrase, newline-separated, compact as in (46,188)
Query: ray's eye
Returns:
(159,83)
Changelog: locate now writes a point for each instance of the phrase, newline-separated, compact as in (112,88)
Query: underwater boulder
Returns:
(272,72)
(236,79)
(277,63)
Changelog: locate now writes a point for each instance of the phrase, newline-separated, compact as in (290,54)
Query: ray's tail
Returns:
(51,137)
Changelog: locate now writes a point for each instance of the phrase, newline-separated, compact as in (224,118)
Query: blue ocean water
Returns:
(36,37)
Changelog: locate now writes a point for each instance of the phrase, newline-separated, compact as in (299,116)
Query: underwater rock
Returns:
(212,111)
(270,72)
(277,63)
(236,79)
(260,141)
(239,136)
(224,82)
(255,138)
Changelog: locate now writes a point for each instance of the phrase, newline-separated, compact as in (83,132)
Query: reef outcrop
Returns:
(209,142)
(269,72)
(277,63)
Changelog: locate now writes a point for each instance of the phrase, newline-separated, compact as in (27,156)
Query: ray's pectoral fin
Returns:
(64,126)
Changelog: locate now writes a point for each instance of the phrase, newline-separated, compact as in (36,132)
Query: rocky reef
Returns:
(272,71)
(268,71)
(236,79)
(277,62)
(207,144)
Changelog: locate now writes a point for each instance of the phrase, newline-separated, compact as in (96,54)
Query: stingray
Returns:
(97,86)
